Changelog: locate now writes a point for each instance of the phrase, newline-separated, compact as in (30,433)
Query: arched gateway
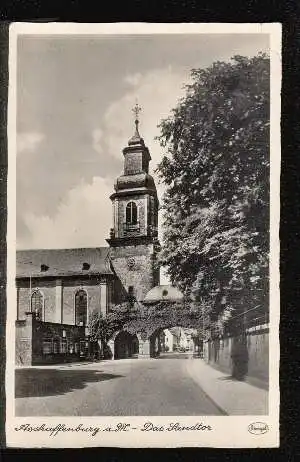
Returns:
(163,307)
(126,345)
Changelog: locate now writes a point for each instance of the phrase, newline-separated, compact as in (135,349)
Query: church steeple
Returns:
(136,188)
(136,154)
(134,238)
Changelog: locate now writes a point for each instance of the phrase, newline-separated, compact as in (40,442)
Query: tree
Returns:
(103,327)
(100,328)
(216,172)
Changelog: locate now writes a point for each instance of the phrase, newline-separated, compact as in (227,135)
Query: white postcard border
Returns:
(227,431)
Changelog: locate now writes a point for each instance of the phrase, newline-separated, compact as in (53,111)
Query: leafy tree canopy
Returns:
(162,315)
(103,328)
(216,172)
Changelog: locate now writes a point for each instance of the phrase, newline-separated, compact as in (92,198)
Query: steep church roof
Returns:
(63,262)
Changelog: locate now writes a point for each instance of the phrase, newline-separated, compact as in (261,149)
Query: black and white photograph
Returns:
(144,167)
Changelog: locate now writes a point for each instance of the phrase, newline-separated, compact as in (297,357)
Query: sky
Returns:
(74,117)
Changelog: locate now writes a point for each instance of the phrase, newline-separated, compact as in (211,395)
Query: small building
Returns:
(57,290)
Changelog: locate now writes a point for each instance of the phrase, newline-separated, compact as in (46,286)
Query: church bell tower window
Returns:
(131,223)
(131,213)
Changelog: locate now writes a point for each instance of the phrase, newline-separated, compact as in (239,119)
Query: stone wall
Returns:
(142,275)
(31,335)
(68,340)
(59,297)
(23,345)
(218,353)
(258,348)
(47,287)
(95,292)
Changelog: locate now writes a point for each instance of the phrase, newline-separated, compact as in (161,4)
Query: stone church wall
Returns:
(48,290)
(140,275)
(93,290)
(61,308)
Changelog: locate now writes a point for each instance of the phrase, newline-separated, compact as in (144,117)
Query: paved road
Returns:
(125,387)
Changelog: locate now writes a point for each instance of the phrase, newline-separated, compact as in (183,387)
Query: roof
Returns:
(63,262)
(139,180)
(166,293)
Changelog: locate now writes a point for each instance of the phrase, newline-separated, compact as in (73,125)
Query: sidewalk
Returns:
(234,397)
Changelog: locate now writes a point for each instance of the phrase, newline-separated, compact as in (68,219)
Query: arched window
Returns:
(131,213)
(81,308)
(37,304)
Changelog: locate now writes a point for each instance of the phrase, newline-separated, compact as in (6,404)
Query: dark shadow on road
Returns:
(250,380)
(51,382)
(260,382)
(228,377)
(232,379)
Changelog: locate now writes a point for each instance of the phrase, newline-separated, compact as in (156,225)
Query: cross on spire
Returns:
(136,138)
(136,110)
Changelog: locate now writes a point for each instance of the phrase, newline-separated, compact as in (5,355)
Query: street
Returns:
(163,386)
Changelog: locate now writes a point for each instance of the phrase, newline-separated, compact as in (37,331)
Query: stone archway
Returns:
(126,345)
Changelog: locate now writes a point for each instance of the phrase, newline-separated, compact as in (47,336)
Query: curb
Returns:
(234,398)
(193,376)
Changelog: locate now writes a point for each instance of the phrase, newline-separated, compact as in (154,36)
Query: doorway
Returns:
(126,345)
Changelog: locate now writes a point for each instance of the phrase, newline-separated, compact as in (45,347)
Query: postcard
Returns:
(143,235)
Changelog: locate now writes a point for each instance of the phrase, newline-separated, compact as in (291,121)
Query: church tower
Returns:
(133,239)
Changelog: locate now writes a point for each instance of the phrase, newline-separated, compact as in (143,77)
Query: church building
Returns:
(57,290)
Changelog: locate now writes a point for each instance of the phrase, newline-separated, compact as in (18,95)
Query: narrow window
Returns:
(131,297)
(81,308)
(63,345)
(131,213)
(47,347)
(37,303)
(55,346)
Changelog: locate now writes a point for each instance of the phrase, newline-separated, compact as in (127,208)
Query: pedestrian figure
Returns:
(240,357)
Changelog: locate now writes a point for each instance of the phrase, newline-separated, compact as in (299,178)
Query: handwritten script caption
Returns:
(119,427)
